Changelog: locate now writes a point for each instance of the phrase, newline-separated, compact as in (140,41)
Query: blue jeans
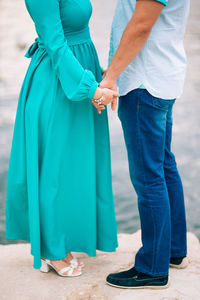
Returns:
(147,127)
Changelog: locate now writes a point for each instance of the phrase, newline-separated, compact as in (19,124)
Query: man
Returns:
(147,49)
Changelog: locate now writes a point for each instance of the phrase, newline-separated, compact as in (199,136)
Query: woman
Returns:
(59,192)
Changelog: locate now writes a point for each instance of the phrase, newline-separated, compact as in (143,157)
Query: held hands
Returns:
(110,84)
(104,96)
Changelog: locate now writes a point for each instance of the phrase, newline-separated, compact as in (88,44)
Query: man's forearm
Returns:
(132,42)
(135,35)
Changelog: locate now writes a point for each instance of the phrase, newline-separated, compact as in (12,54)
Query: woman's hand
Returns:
(98,107)
(98,94)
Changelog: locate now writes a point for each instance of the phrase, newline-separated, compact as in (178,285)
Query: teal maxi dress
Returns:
(59,190)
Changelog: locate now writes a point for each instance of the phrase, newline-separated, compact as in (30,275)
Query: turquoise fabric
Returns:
(59,191)
(142,86)
(162,1)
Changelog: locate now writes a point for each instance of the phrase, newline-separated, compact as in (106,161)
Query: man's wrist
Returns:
(107,82)
(111,75)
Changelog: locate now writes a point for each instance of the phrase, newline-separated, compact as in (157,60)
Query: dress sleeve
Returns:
(78,84)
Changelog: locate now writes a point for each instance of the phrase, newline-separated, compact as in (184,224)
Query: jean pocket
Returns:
(163,104)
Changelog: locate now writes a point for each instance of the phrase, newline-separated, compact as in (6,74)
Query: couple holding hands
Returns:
(59,191)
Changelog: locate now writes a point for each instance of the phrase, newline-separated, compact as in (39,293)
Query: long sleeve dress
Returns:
(59,190)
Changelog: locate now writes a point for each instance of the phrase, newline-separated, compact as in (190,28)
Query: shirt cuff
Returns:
(163,1)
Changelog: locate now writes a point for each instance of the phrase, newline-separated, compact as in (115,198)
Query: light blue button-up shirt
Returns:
(161,64)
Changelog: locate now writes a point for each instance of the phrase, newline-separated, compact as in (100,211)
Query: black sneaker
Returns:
(179,262)
(137,281)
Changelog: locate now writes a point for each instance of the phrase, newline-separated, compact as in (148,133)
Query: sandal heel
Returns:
(45,268)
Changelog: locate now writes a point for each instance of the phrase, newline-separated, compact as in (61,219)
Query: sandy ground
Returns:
(19,281)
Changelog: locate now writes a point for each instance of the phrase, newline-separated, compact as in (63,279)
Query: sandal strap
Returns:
(74,262)
(47,261)
(69,269)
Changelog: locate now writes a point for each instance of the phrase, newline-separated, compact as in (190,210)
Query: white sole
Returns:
(183,265)
(77,275)
(152,287)
(45,268)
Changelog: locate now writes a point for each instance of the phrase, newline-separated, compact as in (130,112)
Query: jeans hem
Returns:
(179,255)
(150,273)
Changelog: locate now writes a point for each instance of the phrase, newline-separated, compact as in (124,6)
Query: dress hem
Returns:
(81,251)
(90,254)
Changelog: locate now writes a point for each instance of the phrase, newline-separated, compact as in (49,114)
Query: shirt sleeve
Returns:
(161,1)
(78,84)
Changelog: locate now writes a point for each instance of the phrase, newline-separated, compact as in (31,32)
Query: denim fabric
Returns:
(147,126)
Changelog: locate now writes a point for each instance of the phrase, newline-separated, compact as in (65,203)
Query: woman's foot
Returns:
(61,267)
(69,259)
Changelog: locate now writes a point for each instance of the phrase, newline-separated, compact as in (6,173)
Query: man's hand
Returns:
(111,84)
(110,96)
(108,83)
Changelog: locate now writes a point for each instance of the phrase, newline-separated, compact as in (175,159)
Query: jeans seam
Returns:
(139,139)
(143,170)
(154,243)
(144,178)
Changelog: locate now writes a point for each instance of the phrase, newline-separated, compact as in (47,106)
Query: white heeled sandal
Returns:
(76,264)
(47,266)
